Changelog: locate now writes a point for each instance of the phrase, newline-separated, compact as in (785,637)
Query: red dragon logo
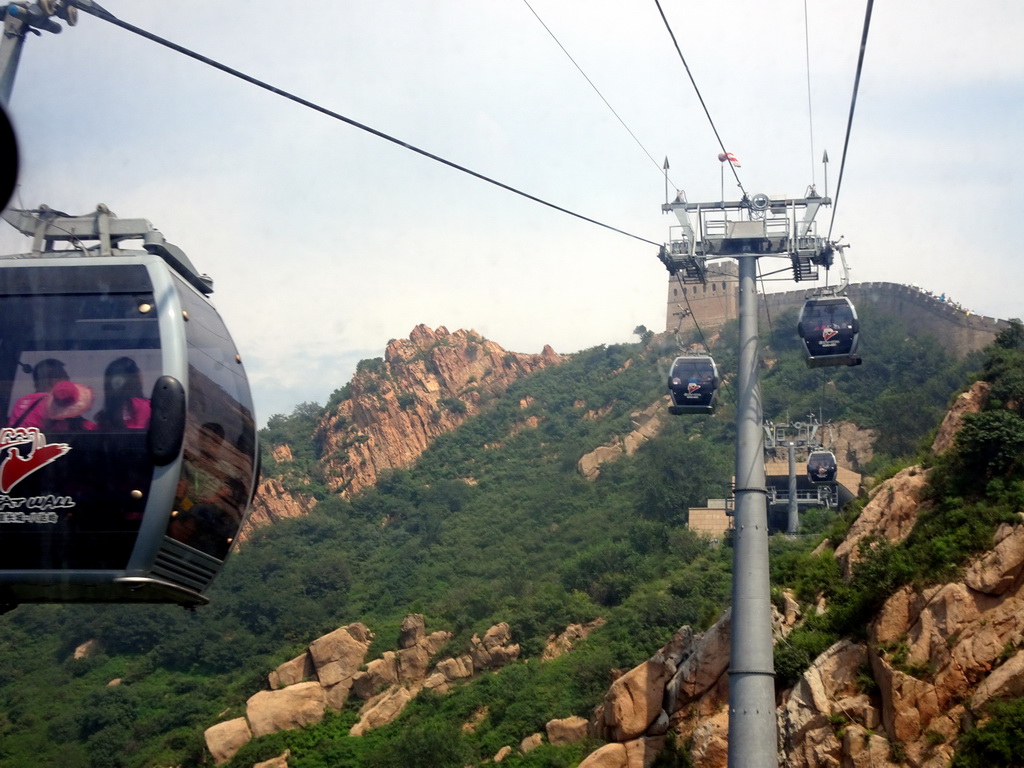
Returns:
(17,465)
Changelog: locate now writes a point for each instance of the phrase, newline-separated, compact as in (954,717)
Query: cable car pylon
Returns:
(746,230)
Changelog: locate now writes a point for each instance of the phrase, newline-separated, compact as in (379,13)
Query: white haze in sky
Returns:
(326,241)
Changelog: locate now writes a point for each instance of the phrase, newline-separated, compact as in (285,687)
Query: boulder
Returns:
(1006,681)
(435,641)
(281,761)
(502,753)
(378,675)
(566,730)
(292,707)
(701,665)
(338,655)
(412,632)
(531,742)
(413,663)
(999,569)
(608,756)
(634,701)
(225,739)
(291,672)
(381,709)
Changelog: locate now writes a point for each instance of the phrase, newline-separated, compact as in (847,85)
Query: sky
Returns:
(326,241)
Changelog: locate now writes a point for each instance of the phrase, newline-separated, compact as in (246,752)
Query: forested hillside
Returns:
(492,524)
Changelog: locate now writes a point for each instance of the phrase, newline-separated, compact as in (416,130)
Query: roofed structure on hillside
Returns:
(715,520)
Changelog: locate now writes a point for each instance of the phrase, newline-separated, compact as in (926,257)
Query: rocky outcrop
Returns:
(889,515)
(646,424)
(424,386)
(302,689)
(292,707)
(272,504)
(558,645)
(933,659)
(852,445)
(223,740)
(971,401)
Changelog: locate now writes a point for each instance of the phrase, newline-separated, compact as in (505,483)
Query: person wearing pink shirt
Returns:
(57,404)
(124,406)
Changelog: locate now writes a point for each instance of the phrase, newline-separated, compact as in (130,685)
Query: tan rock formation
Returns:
(646,424)
(338,655)
(272,504)
(281,761)
(291,672)
(379,674)
(971,401)
(566,730)
(890,514)
(531,742)
(502,753)
(852,445)
(412,631)
(382,709)
(87,649)
(292,707)
(225,739)
(564,643)
(424,386)
(634,701)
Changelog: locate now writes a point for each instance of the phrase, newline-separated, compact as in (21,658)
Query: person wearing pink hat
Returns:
(64,406)
(57,403)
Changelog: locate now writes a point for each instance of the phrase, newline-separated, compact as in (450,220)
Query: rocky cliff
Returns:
(933,658)
(424,386)
(395,406)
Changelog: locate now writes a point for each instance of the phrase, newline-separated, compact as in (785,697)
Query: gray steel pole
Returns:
(753,739)
(11,43)
(793,521)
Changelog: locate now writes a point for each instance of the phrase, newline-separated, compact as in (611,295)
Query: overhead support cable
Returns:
(732,166)
(810,111)
(92,8)
(849,121)
(591,82)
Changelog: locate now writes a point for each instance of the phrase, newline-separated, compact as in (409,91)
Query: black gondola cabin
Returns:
(128,459)
(830,331)
(822,467)
(693,385)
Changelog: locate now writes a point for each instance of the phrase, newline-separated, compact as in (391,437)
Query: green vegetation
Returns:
(494,523)
(996,743)
(974,487)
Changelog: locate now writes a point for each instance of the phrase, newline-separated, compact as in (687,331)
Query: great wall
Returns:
(924,314)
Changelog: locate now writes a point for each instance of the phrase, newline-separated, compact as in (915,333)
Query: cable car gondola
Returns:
(821,467)
(128,458)
(693,385)
(830,331)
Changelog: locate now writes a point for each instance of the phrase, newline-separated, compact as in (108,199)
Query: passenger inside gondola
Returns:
(58,404)
(124,403)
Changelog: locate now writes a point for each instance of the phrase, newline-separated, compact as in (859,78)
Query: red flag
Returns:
(723,156)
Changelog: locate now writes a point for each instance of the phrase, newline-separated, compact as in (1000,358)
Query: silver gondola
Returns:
(129,456)
(693,385)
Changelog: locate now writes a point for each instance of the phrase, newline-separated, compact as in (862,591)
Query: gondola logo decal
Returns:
(25,451)
(692,386)
(828,333)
